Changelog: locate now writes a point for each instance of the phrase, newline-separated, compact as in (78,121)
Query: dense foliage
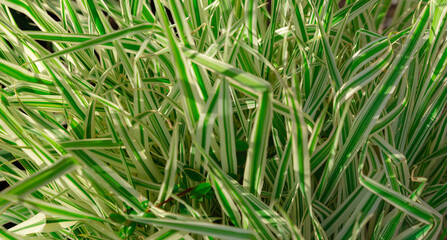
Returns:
(190,119)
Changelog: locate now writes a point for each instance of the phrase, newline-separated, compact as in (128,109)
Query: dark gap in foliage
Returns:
(389,15)
(92,83)
(54,16)
(271,149)
(22,111)
(154,11)
(171,20)
(97,55)
(111,21)
(4,185)
(168,13)
(9,225)
(8,43)
(444,111)
(23,22)
(341,3)
(47,45)
(319,172)
(26,24)
(152,6)
(269,10)
(18,165)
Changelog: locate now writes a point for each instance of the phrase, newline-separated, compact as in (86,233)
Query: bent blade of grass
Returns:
(366,76)
(248,84)
(370,112)
(412,208)
(370,51)
(390,227)
(399,160)
(243,81)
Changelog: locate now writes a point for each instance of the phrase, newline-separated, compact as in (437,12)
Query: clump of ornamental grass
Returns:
(190,119)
